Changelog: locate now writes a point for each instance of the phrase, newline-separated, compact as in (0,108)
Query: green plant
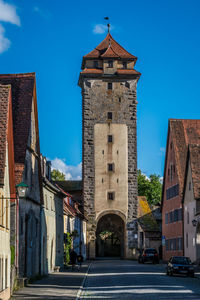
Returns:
(105,234)
(12,250)
(67,247)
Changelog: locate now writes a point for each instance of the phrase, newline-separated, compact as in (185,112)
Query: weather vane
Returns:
(107,18)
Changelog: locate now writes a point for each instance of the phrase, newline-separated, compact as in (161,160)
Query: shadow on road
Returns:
(130,280)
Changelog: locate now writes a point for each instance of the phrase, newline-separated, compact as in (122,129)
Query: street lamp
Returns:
(21,189)
(194,222)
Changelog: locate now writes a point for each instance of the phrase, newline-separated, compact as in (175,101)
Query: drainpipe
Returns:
(17,235)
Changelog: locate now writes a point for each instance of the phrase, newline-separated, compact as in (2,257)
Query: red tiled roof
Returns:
(22,95)
(4,110)
(184,132)
(194,152)
(115,49)
(69,210)
(92,71)
(119,71)
(128,71)
(109,53)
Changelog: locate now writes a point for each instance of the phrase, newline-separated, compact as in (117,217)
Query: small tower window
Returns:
(124,65)
(111,195)
(110,86)
(96,64)
(109,115)
(111,167)
(110,64)
(110,138)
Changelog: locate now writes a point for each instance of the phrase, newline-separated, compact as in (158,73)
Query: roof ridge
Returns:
(18,75)
(172,119)
(121,46)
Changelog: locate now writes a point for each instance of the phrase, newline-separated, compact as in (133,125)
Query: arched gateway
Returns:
(110,236)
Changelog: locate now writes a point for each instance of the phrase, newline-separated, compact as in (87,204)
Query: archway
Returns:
(110,236)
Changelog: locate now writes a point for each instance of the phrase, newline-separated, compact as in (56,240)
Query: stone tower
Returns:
(109,81)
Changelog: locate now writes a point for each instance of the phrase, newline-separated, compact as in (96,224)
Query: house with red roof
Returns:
(181,134)
(74,220)
(25,217)
(191,201)
(51,222)
(7,187)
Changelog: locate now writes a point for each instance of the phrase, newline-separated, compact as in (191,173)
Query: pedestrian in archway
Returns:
(80,261)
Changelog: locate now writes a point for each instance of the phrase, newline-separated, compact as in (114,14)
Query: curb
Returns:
(83,283)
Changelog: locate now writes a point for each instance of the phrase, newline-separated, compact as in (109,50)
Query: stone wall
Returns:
(97,102)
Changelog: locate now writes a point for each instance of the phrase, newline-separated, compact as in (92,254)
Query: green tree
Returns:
(56,175)
(150,187)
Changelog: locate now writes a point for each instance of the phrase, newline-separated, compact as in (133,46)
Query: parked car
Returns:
(180,265)
(149,254)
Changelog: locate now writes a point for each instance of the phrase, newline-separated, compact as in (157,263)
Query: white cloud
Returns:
(8,13)
(99,29)
(71,172)
(4,42)
(42,13)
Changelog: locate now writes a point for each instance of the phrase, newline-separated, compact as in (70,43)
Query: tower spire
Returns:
(107,18)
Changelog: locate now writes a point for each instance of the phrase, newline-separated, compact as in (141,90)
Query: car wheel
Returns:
(167,273)
(171,273)
(192,275)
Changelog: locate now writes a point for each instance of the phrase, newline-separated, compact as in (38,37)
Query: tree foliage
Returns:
(150,187)
(56,175)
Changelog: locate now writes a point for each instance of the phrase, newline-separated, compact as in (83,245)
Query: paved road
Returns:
(62,285)
(120,279)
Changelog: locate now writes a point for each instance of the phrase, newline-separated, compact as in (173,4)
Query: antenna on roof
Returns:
(107,18)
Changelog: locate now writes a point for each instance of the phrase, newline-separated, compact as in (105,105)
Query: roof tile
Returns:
(184,132)
(115,49)
(4,109)
(194,151)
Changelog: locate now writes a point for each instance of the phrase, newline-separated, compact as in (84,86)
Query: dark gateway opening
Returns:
(110,236)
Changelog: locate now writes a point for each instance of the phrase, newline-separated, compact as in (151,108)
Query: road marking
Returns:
(83,283)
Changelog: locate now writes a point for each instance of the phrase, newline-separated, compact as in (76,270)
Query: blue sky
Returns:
(50,37)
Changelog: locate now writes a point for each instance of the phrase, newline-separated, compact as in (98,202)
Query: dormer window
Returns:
(124,65)
(96,64)
(110,64)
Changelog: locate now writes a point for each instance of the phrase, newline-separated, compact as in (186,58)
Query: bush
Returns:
(12,250)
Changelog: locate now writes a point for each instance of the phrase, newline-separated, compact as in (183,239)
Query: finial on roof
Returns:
(107,18)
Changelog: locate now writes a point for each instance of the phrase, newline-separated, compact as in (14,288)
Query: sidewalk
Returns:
(62,285)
